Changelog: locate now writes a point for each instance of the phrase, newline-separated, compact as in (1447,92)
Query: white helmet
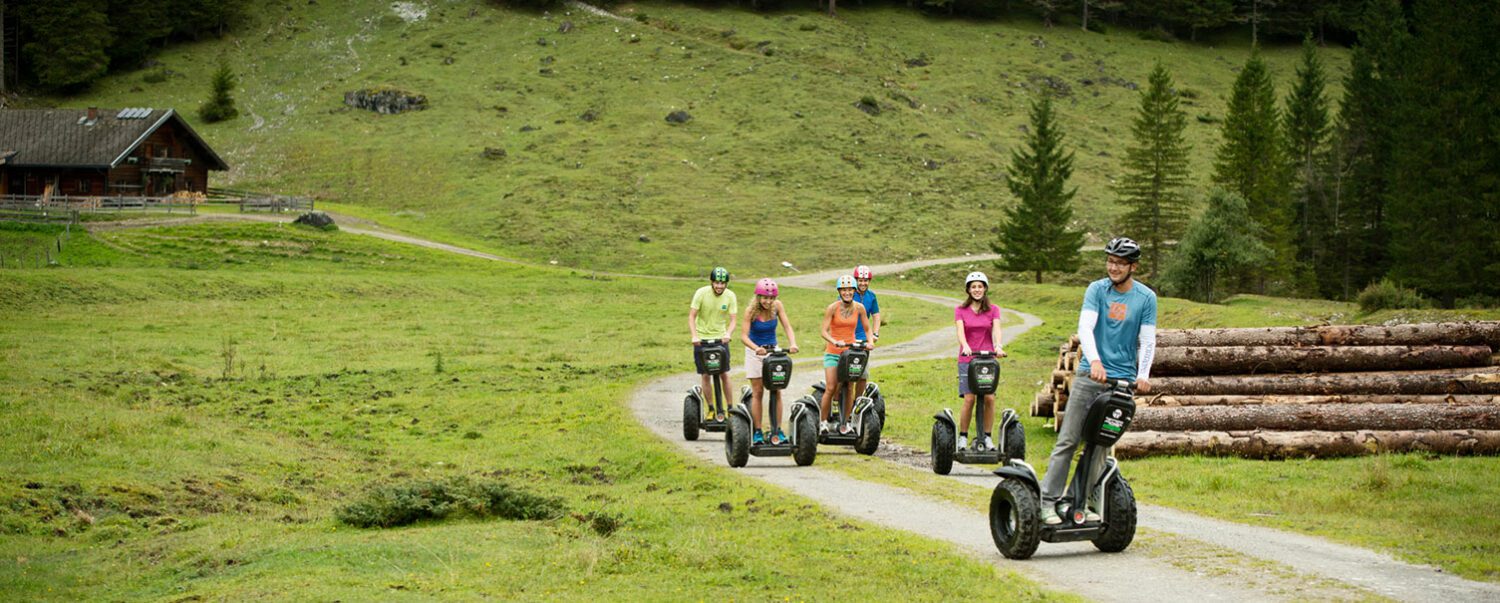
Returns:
(976,276)
(846,282)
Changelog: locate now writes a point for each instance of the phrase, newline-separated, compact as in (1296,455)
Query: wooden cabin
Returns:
(102,152)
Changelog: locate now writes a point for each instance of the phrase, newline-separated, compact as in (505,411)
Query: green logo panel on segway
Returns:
(1109,418)
(776,369)
(984,375)
(852,364)
(715,357)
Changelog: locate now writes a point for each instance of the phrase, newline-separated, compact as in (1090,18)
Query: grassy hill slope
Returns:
(776,164)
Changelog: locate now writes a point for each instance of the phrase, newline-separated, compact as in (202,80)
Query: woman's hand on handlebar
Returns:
(839,343)
(793,349)
(761,351)
(1000,354)
(965,351)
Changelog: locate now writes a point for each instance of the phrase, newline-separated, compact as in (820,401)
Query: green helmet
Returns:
(719,274)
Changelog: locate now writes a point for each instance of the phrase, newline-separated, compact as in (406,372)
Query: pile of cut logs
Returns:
(1325,391)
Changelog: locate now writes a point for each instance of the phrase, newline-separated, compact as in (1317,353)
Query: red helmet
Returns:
(863,272)
(766,287)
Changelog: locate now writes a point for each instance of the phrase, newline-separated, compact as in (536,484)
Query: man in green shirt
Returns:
(712,315)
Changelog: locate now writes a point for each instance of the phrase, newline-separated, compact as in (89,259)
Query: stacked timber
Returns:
(1310,391)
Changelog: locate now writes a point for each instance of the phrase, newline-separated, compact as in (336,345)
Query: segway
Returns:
(863,418)
(715,357)
(872,391)
(984,379)
(802,443)
(1015,520)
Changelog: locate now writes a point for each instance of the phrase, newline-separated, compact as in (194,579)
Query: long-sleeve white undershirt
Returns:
(1146,353)
(1086,321)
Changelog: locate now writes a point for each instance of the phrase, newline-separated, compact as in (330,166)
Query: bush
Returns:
(391,505)
(1478,301)
(1157,34)
(1387,295)
(156,76)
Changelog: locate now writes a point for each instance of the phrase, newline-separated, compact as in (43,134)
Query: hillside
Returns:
(776,164)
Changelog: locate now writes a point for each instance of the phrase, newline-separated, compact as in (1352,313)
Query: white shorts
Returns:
(753,364)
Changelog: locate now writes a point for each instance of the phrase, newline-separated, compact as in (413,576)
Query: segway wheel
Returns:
(1015,521)
(737,440)
(880,407)
(692,417)
(1015,441)
(1119,525)
(942,447)
(869,434)
(807,440)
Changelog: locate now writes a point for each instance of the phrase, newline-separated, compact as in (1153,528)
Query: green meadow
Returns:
(775,157)
(186,417)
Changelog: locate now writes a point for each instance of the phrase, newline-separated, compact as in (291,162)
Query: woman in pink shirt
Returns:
(978,323)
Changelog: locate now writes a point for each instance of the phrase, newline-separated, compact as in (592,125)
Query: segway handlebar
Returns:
(1125,384)
(859,344)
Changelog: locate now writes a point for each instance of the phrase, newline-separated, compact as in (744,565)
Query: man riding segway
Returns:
(711,318)
(1117,332)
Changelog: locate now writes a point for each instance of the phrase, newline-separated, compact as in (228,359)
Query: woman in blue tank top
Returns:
(759,336)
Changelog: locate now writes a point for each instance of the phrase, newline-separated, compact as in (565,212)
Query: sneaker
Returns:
(823,428)
(1090,515)
(1049,515)
(845,428)
(778,438)
(758,439)
(963,442)
(989,444)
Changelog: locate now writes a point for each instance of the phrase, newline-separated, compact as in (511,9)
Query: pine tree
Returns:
(220,105)
(67,42)
(1306,122)
(1358,168)
(1219,250)
(1156,170)
(1444,201)
(1251,163)
(1035,235)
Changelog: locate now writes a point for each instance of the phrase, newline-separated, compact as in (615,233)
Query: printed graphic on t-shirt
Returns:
(1117,311)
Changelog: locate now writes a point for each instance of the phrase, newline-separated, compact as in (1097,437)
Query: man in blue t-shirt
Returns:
(1117,332)
(866,297)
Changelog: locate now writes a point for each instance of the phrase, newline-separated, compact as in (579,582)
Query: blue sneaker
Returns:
(758,439)
(778,438)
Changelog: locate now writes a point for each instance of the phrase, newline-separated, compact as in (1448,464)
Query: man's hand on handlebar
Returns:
(1142,386)
(1096,372)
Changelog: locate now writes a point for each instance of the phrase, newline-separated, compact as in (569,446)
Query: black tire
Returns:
(807,439)
(869,434)
(692,417)
(1119,525)
(1015,520)
(1015,442)
(880,407)
(737,440)
(942,447)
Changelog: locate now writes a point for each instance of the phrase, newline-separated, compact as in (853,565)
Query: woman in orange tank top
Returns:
(839,321)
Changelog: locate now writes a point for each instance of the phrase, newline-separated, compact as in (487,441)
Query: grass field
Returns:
(775,159)
(185,417)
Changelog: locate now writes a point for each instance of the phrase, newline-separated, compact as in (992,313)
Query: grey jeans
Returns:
(1080,399)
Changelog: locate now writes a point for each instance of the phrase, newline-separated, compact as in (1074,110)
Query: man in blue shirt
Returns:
(866,297)
(1117,332)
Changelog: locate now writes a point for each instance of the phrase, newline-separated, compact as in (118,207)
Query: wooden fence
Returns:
(41,207)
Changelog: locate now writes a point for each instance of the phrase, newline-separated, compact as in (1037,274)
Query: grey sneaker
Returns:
(963,442)
(1091,510)
(1049,515)
(989,444)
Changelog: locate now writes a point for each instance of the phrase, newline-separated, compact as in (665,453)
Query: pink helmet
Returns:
(766,287)
(863,272)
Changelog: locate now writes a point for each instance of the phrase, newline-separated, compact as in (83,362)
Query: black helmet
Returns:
(1124,248)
